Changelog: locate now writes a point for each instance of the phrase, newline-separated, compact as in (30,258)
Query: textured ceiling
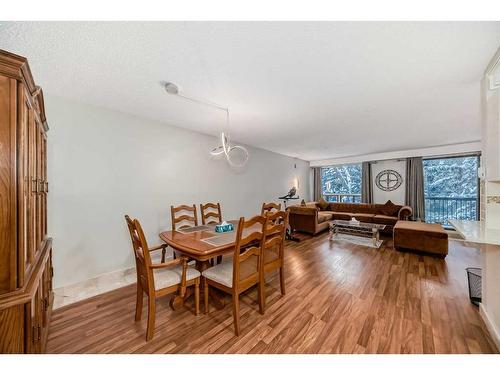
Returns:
(311,90)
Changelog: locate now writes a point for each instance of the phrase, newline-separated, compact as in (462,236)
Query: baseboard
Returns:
(490,325)
(93,287)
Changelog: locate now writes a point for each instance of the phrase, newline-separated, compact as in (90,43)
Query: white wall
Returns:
(396,196)
(105,164)
(490,306)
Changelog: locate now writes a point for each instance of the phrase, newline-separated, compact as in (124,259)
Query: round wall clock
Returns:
(388,180)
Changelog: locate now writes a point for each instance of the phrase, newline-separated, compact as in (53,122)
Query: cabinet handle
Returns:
(35,333)
(34,187)
(46,186)
(39,332)
(41,188)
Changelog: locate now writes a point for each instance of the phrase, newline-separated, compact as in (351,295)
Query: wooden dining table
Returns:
(201,243)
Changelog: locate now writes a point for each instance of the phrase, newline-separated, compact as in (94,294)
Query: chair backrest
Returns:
(268,208)
(274,233)
(247,252)
(183,213)
(141,254)
(210,213)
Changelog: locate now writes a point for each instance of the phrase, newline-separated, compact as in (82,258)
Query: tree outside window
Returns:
(341,183)
(451,189)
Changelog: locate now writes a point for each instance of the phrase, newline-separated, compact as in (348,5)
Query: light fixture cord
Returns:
(205,102)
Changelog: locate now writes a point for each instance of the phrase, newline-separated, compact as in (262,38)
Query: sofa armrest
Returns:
(404,213)
(303,210)
(303,218)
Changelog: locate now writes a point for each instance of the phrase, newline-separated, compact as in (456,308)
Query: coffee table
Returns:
(357,228)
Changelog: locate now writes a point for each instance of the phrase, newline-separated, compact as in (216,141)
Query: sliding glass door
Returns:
(451,189)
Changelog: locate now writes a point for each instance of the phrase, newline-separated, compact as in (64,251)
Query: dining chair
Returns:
(183,216)
(273,248)
(158,279)
(268,208)
(236,275)
(210,213)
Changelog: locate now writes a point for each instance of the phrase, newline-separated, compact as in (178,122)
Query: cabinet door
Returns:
(46,294)
(38,157)
(33,185)
(8,179)
(12,330)
(23,186)
(44,187)
(50,273)
(34,324)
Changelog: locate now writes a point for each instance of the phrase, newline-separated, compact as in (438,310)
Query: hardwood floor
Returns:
(341,298)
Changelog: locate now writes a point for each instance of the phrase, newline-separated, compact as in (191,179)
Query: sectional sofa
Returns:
(314,217)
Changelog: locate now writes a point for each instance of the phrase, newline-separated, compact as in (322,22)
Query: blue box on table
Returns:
(224,227)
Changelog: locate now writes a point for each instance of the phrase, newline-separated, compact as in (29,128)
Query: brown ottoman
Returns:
(429,238)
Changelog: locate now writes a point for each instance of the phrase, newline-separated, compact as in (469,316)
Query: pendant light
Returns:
(236,156)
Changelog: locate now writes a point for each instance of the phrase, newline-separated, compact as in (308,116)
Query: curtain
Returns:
(317,183)
(415,187)
(366,183)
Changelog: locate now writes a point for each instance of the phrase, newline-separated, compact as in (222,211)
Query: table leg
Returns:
(177,302)
(375,237)
(334,232)
(215,296)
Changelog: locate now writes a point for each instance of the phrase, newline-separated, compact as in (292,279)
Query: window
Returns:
(341,183)
(451,189)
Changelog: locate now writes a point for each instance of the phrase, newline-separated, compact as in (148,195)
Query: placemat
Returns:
(223,239)
(199,228)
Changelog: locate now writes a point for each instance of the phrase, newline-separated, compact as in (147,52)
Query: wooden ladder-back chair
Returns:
(187,219)
(183,217)
(267,208)
(210,213)
(273,247)
(158,279)
(243,271)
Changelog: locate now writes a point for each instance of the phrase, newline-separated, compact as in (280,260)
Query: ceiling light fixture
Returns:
(236,155)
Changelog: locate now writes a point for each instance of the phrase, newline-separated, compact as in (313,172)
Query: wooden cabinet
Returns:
(25,249)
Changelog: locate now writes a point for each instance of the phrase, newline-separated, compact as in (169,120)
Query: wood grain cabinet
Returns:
(25,249)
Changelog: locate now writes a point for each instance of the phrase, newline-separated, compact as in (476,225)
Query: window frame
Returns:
(454,156)
(339,195)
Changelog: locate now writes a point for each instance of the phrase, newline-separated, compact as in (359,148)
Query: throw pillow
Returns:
(322,204)
(389,209)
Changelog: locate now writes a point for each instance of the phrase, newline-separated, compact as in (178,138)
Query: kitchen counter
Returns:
(476,232)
